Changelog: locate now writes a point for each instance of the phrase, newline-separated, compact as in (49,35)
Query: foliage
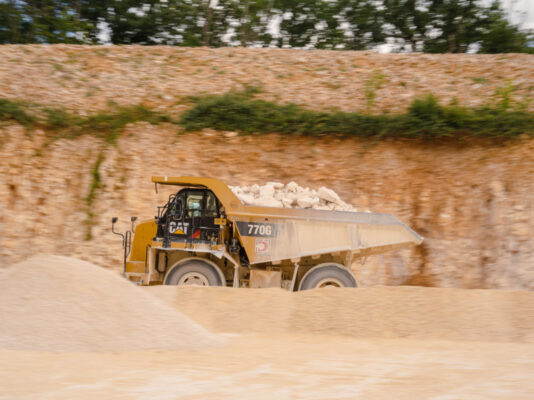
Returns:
(52,21)
(425,118)
(500,36)
(435,26)
(241,111)
(60,123)
(371,86)
(13,111)
(96,184)
(105,125)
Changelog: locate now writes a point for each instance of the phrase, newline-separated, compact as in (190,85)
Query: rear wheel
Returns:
(327,275)
(193,273)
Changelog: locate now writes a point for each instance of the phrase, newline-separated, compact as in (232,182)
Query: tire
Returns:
(327,275)
(193,273)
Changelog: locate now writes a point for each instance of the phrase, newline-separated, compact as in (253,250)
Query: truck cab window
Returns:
(194,204)
(211,205)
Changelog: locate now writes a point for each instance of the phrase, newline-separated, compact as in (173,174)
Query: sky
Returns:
(521,12)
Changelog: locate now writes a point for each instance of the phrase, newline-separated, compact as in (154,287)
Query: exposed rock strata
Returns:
(472,203)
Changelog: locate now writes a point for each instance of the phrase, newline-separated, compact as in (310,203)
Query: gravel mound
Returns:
(276,194)
(373,312)
(55,303)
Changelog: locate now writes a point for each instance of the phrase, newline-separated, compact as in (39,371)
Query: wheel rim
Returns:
(193,279)
(329,282)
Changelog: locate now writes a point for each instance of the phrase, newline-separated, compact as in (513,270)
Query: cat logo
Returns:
(177,228)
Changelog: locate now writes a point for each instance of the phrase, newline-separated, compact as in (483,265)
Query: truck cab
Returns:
(192,214)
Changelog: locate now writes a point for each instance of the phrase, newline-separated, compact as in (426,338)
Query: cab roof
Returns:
(219,188)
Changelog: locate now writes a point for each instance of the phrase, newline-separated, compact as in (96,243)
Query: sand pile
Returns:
(63,304)
(276,194)
(374,312)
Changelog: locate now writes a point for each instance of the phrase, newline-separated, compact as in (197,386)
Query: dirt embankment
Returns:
(53,303)
(472,202)
(375,312)
(87,77)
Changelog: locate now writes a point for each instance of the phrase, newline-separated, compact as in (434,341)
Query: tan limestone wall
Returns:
(473,203)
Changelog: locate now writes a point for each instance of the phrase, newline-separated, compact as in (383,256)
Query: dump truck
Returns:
(204,235)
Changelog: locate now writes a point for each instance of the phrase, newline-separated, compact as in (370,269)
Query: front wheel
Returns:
(327,275)
(193,273)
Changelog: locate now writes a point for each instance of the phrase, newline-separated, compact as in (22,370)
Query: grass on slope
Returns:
(14,111)
(60,123)
(425,118)
(240,111)
(106,125)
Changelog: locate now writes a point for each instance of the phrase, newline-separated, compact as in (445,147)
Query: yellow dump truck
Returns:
(204,235)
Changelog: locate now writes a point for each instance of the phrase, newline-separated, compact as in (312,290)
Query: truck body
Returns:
(205,235)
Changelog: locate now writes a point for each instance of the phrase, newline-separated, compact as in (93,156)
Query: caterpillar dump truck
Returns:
(204,235)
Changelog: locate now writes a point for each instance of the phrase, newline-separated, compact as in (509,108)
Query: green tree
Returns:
(193,22)
(362,22)
(51,21)
(251,19)
(300,22)
(10,22)
(407,21)
(132,21)
(499,36)
(457,24)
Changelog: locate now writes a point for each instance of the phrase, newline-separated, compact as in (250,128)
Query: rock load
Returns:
(276,194)
(53,303)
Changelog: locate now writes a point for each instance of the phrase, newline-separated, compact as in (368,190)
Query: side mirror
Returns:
(133,219)
(113,220)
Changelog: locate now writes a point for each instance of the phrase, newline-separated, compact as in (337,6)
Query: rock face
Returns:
(473,204)
(276,194)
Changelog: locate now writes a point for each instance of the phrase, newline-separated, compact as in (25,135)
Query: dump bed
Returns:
(273,234)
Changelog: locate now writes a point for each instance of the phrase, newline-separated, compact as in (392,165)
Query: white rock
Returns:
(267,202)
(266,191)
(275,194)
(287,202)
(328,195)
(247,198)
(305,202)
(292,187)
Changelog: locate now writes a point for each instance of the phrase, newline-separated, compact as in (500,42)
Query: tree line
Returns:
(433,26)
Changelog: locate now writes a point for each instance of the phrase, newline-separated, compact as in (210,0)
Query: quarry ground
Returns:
(368,343)
(281,367)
